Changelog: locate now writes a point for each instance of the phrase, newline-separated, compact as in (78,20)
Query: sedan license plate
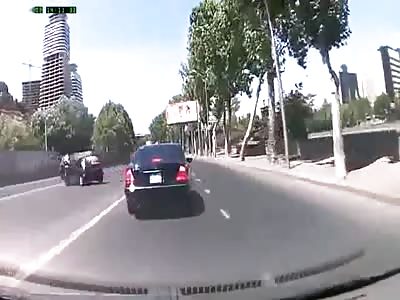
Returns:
(155,178)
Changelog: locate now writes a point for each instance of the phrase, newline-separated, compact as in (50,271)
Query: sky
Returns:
(130,51)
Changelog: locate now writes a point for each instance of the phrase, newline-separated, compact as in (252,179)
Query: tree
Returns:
(69,126)
(197,78)
(16,134)
(113,129)
(322,25)
(275,15)
(382,105)
(217,57)
(298,108)
(159,128)
(355,112)
(259,60)
(321,119)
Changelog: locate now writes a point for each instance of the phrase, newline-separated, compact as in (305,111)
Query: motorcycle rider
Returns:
(65,161)
(83,164)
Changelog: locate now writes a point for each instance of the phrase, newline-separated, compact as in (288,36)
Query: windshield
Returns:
(216,147)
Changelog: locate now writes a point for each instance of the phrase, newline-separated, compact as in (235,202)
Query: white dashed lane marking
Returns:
(207,191)
(225,214)
(198,180)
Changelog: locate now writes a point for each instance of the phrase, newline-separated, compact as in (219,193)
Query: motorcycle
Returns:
(66,174)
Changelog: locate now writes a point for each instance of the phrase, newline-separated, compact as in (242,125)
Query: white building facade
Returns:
(56,78)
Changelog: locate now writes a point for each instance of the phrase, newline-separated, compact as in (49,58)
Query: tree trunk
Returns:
(271,116)
(214,137)
(275,58)
(228,126)
(201,139)
(210,142)
(205,135)
(251,122)
(338,148)
(195,141)
(199,150)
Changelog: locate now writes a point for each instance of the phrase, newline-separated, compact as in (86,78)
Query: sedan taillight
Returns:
(128,177)
(182,175)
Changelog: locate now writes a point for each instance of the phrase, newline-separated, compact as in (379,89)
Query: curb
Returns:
(368,194)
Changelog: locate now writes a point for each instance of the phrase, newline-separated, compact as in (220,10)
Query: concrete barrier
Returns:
(361,148)
(22,166)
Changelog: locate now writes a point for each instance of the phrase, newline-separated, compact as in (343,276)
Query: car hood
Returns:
(335,275)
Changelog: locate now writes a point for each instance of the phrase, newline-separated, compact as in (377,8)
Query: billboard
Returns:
(182,112)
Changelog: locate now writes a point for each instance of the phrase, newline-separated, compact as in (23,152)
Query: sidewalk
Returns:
(379,180)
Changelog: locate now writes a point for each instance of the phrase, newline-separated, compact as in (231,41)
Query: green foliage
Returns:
(69,126)
(298,108)
(113,129)
(355,112)
(318,24)
(159,128)
(16,134)
(382,106)
(321,119)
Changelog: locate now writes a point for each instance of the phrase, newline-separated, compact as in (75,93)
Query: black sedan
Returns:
(153,169)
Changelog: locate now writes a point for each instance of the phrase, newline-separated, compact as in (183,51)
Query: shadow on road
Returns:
(164,207)
(93,183)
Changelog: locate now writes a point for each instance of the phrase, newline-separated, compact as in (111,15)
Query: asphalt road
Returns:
(241,226)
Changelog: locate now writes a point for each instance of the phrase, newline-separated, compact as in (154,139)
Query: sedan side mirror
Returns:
(189,159)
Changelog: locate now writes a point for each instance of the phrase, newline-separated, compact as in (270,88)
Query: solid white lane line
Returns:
(36,264)
(198,180)
(207,191)
(28,183)
(225,214)
(29,192)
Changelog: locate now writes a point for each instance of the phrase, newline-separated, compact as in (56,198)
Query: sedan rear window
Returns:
(159,153)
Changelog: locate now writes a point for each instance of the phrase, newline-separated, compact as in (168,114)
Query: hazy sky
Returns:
(130,51)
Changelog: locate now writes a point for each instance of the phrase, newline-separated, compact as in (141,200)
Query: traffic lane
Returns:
(332,221)
(31,223)
(261,237)
(377,215)
(280,219)
(41,185)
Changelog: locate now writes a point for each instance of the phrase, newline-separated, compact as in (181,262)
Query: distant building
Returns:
(5,96)
(348,85)
(76,83)
(56,77)
(391,69)
(31,93)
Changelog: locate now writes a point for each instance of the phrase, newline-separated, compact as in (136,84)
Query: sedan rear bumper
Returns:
(139,190)
(153,187)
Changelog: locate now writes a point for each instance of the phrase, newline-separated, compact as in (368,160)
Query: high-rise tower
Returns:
(76,83)
(56,79)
